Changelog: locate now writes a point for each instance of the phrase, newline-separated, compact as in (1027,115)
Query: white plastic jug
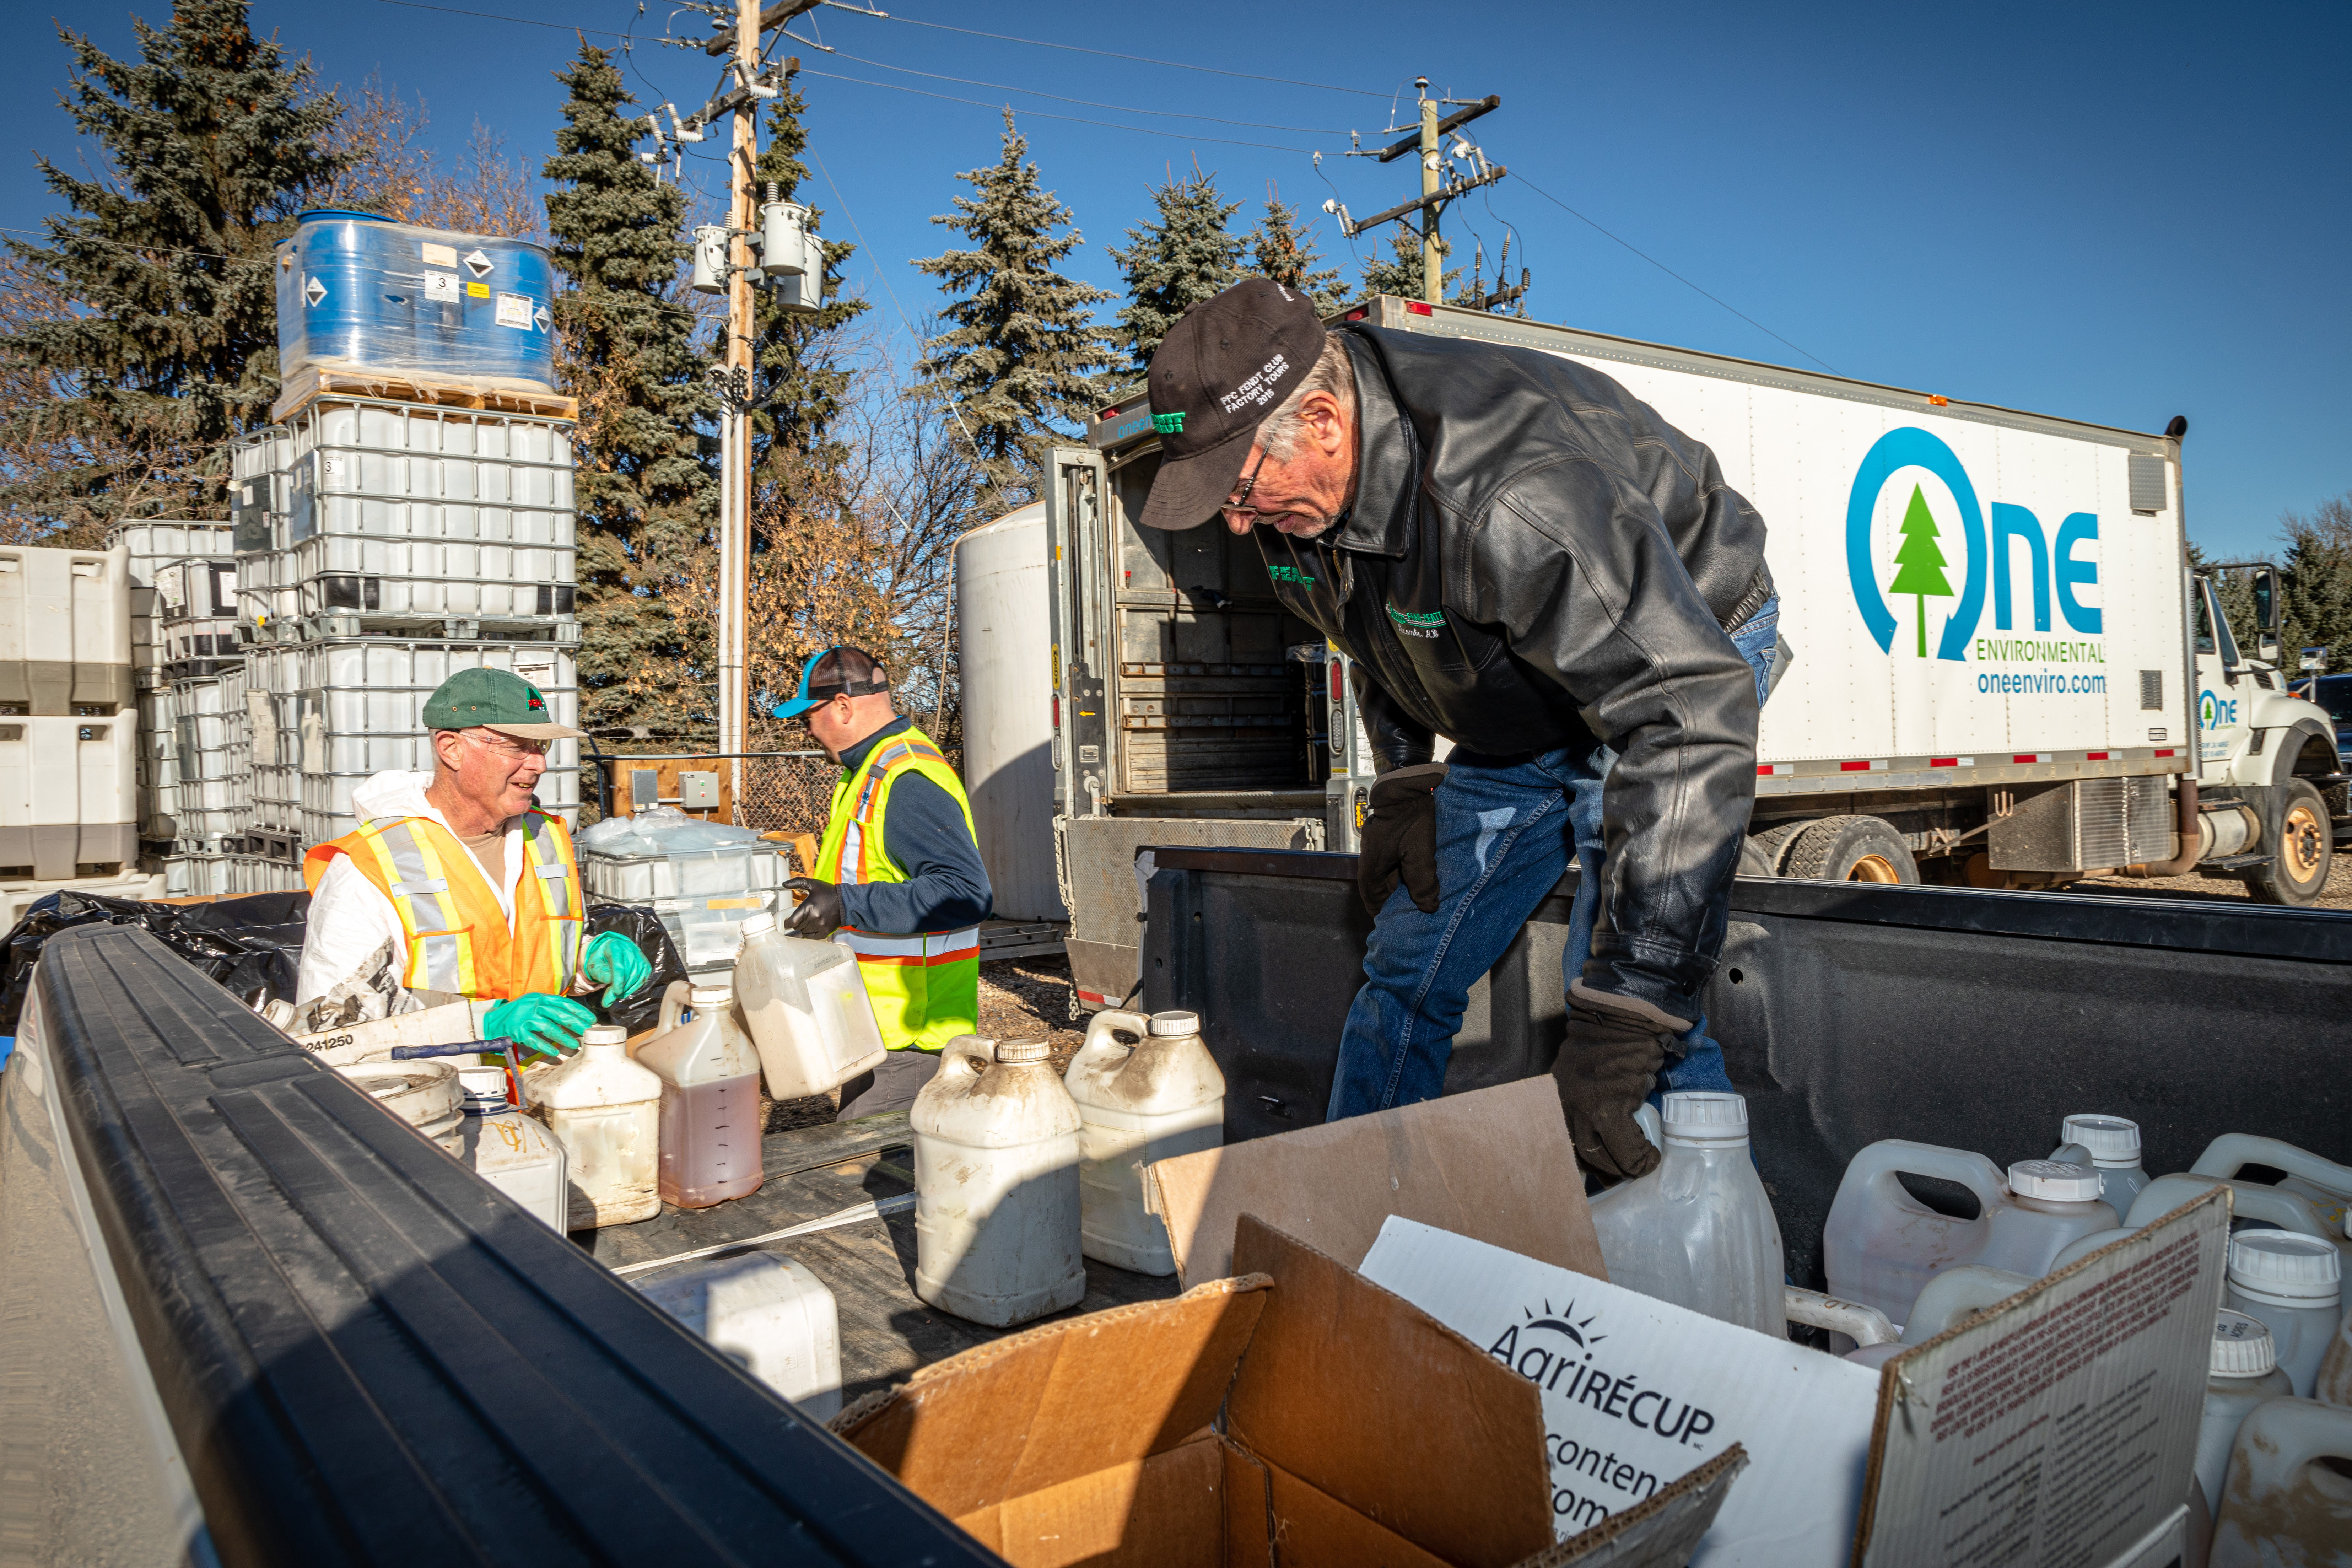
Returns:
(2293,1283)
(709,1100)
(1950,1297)
(1880,1246)
(996,1185)
(513,1152)
(2248,1201)
(767,1312)
(1699,1231)
(805,1003)
(425,1094)
(1155,1099)
(2113,1145)
(2334,1383)
(2279,1505)
(2242,1373)
(2327,1184)
(606,1110)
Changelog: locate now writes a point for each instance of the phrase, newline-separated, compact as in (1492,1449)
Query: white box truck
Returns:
(2003,672)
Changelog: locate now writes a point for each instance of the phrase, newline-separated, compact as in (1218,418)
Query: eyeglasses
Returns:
(1234,507)
(507,746)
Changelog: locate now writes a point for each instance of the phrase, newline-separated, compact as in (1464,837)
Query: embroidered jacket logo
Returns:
(1428,624)
(1290,575)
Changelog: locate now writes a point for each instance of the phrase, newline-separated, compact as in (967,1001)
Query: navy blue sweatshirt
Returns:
(924,833)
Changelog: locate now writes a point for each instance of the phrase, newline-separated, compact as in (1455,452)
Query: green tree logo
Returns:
(1920,565)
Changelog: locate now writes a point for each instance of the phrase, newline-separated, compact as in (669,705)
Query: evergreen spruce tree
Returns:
(1400,271)
(2317,598)
(167,344)
(645,488)
(1175,262)
(1282,250)
(1021,352)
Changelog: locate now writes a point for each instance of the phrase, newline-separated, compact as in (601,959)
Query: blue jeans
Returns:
(1503,837)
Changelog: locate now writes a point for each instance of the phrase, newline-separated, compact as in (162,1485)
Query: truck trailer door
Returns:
(1077,570)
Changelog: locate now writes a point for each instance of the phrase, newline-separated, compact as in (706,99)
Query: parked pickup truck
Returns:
(247,1317)
(2004,672)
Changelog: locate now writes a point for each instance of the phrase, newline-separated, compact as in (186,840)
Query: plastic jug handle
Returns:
(2248,1200)
(1100,1029)
(964,1058)
(2278,1438)
(673,1007)
(2232,1152)
(1972,1171)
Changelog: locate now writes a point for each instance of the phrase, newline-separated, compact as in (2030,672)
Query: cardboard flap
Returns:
(1379,1406)
(1038,1409)
(1495,1166)
(1663,1532)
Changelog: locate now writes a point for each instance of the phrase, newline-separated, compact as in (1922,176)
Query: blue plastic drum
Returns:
(356,291)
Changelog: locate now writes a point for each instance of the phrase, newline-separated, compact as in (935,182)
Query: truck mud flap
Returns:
(1847,1012)
(364,1353)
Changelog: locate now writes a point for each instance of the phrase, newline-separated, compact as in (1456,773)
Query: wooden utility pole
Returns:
(735,530)
(1433,181)
(1428,142)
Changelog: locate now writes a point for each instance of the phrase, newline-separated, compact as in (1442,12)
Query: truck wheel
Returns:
(1764,853)
(2297,872)
(1850,849)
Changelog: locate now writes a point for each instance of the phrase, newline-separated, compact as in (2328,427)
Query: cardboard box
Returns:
(1637,1391)
(1295,1414)
(1495,1166)
(2061,1425)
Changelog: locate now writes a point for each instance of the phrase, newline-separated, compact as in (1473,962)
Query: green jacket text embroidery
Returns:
(1290,575)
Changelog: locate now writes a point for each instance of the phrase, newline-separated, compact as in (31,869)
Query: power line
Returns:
(1107,54)
(1073,118)
(1090,103)
(1670,272)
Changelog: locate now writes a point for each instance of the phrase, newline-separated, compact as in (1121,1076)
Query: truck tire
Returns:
(2297,871)
(1850,849)
(1763,852)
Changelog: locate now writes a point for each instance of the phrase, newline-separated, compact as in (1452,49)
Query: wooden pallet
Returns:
(311,383)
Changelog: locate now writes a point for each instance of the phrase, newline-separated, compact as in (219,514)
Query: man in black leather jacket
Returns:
(1522,557)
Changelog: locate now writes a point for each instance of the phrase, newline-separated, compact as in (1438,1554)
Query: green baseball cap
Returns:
(493,699)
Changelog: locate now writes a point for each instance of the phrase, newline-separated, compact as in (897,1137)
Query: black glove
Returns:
(1400,835)
(819,912)
(1606,1068)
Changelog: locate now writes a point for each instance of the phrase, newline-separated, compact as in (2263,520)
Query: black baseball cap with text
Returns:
(1226,366)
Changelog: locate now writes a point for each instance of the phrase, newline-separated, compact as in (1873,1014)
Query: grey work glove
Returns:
(1606,1068)
(1399,838)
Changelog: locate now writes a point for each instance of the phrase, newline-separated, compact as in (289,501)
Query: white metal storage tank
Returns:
(1008,708)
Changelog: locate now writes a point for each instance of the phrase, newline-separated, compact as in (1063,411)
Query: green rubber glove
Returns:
(618,964)
(547,1025)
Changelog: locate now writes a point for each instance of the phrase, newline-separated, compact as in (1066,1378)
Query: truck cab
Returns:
(2264,756)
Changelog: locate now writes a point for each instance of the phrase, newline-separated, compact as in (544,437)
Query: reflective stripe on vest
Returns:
(458,936)
(925,988)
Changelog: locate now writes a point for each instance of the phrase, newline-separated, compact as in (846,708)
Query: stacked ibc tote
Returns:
(408,514)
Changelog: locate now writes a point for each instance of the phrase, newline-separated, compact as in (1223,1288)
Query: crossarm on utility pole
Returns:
(774,16)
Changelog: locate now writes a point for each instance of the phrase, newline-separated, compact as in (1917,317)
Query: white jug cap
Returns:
(2054,1180)
(1693,1117)
(605,1035)
(2284,1266)
(758,925)
(1175,1023)
(709,995)
(1015,1052)
(2112,1141)
(2243,1346)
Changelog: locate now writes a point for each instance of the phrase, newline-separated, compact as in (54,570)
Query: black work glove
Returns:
(1606,1068)
(1400,836)
(819,912)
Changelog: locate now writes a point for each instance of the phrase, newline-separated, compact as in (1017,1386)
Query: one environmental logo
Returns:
(1940,556)
(2215,713)
(1555,1350)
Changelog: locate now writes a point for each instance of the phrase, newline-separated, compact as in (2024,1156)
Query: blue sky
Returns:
(2109,212)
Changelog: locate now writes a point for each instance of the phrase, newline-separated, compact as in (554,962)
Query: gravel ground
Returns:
(1020,999)
(2337,895)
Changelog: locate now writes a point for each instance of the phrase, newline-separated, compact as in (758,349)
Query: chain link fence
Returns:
(789,792)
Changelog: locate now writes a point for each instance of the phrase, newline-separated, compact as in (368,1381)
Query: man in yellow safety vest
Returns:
(898,880)
(456,886)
